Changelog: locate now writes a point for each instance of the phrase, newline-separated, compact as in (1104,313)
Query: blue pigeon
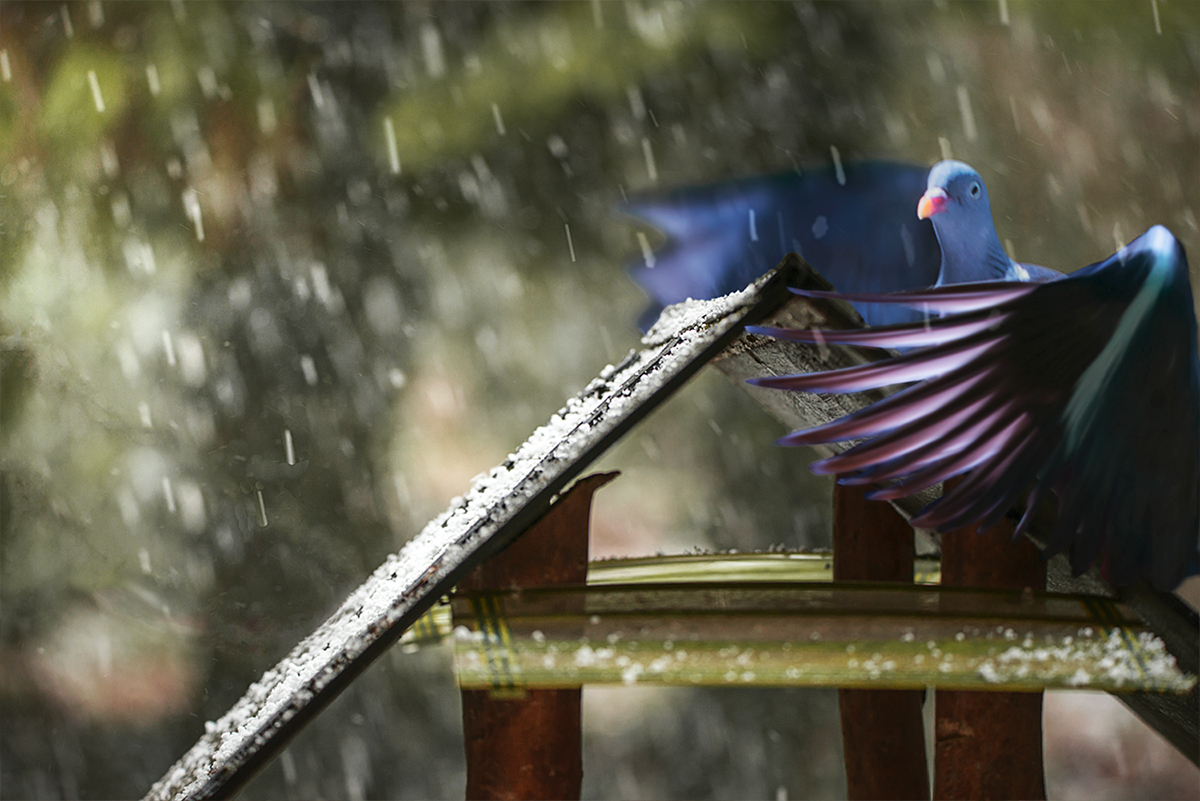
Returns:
(1087,384)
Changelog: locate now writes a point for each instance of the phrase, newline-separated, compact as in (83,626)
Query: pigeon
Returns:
(1085,387)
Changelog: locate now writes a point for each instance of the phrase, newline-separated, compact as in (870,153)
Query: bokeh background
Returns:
(277,279)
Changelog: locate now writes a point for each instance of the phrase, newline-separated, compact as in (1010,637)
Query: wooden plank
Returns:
(841,634)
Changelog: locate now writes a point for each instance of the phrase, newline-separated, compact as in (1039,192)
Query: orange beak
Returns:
(932,202)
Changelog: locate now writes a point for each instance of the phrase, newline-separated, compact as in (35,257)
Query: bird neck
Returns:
(972,255)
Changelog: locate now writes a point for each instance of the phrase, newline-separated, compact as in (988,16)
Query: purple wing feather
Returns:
(954,299)
(1089,386)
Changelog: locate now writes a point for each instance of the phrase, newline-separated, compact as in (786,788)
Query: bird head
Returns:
(955,189)
(956,202)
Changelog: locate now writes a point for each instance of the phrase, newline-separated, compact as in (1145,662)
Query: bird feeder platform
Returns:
(516,494)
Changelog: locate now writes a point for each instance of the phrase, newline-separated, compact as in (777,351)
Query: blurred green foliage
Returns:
(527,70)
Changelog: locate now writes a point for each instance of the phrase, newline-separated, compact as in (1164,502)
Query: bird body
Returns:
(1085,385)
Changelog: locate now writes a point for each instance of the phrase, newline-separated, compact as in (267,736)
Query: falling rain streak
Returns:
(191,207)
(498,119)
(5,69)
(314,89)
(389,133)
(168,494)
(836,155)
(97,98)
(262,509)
(968,117)
(651,169)
(288,448)
(309,368)
(152,79)
(168,347)
(647,251)
(570,244)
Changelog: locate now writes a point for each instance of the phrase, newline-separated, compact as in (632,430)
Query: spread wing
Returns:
(857,225)
(1089,386)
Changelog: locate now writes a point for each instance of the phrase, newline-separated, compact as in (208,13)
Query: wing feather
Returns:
(856,225)
(1088,386)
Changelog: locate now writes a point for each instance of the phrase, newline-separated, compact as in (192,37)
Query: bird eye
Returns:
(975,189)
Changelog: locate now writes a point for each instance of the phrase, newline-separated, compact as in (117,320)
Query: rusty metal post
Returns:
(989,745)
(531,747)
(883,735)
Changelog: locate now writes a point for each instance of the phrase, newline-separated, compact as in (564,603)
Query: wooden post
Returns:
(531,747)
(883,736)
(989,744)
